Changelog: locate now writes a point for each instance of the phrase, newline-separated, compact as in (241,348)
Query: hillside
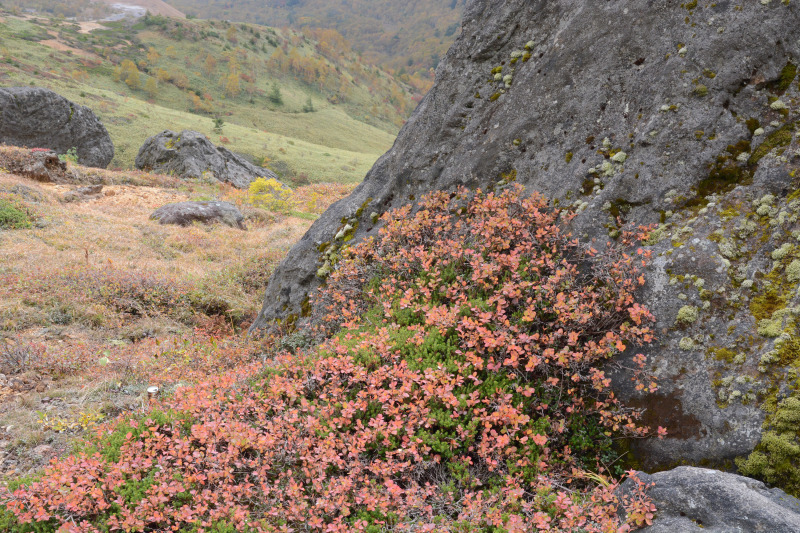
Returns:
(407,38)
(131,399)
(309,109)
(87,278)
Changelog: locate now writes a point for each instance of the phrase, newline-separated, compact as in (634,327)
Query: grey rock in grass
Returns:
(190,154)
(34,117)
(187,213)
(604,113)
(709,501)
(89,192)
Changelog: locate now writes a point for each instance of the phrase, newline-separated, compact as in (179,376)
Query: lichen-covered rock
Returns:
(190,154)
(697,499)
(604,116)
(34,117)
(187,213)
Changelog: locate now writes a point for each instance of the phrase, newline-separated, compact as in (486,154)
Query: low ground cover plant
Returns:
(14,215)
(454,380)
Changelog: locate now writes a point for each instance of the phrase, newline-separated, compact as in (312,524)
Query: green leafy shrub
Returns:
(71,155)
(13,215)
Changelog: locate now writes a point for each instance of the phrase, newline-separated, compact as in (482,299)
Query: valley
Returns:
(281,102)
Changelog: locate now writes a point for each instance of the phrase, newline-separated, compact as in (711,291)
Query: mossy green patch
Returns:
(13,215)
(764,305)
(784,80)
(724,175)
(723,354)
(776,459)
(777,139)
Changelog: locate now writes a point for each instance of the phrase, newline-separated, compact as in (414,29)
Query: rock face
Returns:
(697,499)
(186,213)
(39,118)
(675,113)
(189,154)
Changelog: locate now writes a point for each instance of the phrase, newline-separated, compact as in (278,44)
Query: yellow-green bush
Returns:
(271,194)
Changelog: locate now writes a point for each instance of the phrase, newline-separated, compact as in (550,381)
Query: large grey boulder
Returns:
(628,113)
(34,117)
(187,213)
(698,499)
(190,154)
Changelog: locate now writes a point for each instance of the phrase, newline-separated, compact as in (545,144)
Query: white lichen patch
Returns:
(687,314)
(778,105)
(782,252)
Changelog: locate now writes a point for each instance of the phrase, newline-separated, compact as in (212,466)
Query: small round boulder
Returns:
(187,213)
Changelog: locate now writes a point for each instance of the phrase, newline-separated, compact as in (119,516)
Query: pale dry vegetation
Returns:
(97,302)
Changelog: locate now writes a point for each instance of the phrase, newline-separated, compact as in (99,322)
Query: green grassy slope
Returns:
(356,109)
(406,37)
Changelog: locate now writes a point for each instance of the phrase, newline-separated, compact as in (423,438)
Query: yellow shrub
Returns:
(270,194)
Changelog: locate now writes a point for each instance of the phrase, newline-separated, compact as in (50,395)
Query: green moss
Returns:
(777,139)
(776,459)
(752,124)
(360,210)
(787,352)
(568,157)
(494,97)
(588,186)
(305,307)
(690,5)
(784,81)
(621,207)
(723,354)
(509,177)
(723,176)
(701,90)
(766,303)
(729,213)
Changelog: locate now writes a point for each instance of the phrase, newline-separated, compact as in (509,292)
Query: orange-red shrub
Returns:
(461,390)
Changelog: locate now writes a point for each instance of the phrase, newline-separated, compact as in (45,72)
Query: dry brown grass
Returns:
(96,280)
